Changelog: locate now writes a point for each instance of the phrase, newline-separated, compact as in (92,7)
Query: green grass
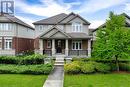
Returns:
(97,80)
(17,80)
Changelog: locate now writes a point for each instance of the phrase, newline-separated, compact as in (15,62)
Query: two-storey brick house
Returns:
(63,34)
(15,35)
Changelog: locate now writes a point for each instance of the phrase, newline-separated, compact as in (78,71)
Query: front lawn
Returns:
(17,80)
(97,80)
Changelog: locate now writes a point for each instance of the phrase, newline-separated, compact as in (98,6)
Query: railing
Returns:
(47,52)
(78,52)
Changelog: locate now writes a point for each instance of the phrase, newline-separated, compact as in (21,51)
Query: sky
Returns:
(94,11)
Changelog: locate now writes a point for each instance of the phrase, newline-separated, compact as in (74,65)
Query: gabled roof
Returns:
(52,20)
(6,18)
(53,33)
(127,22)
(61,19)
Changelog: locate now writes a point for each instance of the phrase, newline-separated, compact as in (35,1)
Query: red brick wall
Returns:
(22,44)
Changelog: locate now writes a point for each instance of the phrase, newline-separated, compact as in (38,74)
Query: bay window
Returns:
(76,45)
(77,27)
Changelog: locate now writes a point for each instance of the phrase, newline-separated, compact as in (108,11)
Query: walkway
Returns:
(56,77)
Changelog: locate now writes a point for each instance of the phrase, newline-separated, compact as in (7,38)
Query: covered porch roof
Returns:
(55,33)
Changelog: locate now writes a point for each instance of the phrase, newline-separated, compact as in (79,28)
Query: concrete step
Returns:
(58,64)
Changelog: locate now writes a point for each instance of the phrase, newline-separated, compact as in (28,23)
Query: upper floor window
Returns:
(5,26)
(8,43)
(77,27)
(41,27)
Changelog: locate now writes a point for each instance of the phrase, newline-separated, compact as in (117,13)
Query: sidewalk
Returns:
(56,77)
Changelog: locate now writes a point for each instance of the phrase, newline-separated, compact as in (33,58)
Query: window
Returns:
(76,45)
(77,27)
(5,26)
(0,43)
(8,43)
(41,27)
(48,44)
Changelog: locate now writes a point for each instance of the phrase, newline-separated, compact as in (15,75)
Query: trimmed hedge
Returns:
(101,60)
(124,67)
(77,67)
(73,68)
(25,69)
(23,60)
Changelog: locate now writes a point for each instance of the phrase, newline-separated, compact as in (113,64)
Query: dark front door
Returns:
(59,46)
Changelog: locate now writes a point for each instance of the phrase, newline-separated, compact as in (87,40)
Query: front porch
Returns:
(55,41)
(67,47)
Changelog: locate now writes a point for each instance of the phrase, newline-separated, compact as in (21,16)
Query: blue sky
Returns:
(95,11)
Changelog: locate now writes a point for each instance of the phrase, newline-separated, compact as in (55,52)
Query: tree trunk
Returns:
(117,64)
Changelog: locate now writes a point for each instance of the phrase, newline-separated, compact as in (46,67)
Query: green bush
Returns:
(26,69)
(88,67)
(72,68)
(23,60)
(124,67)
(103,68)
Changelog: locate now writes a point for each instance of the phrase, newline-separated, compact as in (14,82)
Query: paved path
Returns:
(56,77)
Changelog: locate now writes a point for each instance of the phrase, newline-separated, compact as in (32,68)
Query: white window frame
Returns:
(77,27)
(6,26)
(74,43)
(48,43)
(7,44)
(1,43)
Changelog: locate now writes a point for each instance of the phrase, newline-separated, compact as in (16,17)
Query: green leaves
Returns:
(113,41)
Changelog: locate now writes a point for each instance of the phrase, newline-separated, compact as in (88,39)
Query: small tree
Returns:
(113,41)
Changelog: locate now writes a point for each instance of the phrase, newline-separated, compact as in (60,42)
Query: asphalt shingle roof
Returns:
(60,19)
(11,18)
(52,20)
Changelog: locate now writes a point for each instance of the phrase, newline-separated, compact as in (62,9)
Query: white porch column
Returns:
(89,48)
(53,47)
(41,46)
(66,47)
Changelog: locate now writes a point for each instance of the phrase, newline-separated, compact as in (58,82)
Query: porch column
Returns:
(66,47)
(53,46)
(89,48)
(41,46)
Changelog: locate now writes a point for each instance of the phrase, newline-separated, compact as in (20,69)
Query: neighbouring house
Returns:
(15,36)
(66,34)
(127,22)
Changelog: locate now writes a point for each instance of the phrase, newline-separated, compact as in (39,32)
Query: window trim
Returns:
(77,27)
(8,44)
(75,42)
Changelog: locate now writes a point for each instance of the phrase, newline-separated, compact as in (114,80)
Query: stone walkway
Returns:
(56,77)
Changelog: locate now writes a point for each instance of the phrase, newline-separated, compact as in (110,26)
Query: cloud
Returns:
(92,6)
(47,8)
(26,20)
(96,23)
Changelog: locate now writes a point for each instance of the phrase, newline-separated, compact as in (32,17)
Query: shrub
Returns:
(124,66)
(103,68)
(23,60)
(26,69)
(72,68)
(88,67)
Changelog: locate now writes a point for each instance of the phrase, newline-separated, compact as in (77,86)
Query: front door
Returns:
(59,46)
